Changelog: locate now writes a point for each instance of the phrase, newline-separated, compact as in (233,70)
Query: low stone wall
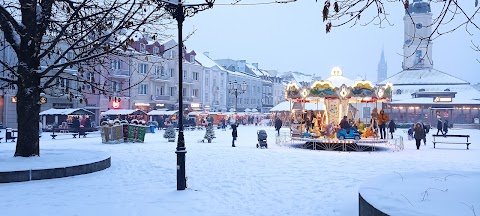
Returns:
(365,209)
(39,174)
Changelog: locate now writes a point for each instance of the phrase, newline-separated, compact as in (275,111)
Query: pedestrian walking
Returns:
(419,134)
(425,130)
(445,127)
(439,126)
(234,133)
(392,127)
(278,125)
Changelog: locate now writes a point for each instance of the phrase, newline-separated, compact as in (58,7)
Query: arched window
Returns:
(447,89)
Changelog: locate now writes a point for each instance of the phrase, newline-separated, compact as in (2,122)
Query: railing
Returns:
(119,72)
(161,77)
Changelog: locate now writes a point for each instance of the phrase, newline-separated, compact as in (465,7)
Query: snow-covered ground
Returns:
(223,180)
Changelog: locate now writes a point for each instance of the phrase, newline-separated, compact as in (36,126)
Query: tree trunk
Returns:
(28,117)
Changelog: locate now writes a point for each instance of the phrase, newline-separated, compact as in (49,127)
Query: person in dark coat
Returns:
(234,133)
(278,125)
(439,126)
(419,134)
(445,127)
(425,129)
(392,127)
(344,124)
(76,124)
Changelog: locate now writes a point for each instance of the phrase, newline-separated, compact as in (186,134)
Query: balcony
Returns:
(119,73)
(188,80)
(161,97)
(160,78)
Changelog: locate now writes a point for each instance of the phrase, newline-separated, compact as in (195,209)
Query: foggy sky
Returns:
(291,37)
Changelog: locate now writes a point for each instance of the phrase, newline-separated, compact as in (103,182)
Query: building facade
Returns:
(214,84)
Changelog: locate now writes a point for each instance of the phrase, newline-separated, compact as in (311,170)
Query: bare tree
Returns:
(65,40)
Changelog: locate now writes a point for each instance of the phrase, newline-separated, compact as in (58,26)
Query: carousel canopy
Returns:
(79,111)
(287,106)
(161,112)
(124,112)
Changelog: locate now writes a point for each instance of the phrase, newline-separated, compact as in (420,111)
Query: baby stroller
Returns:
(262,139)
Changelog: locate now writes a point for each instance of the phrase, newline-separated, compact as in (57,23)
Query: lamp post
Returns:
(236,89)
(180,11)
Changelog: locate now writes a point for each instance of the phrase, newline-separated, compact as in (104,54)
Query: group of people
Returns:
(442,127)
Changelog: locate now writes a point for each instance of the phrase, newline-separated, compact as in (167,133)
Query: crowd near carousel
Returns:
(326,114)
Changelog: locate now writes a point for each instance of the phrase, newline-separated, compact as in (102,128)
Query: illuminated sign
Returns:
(442,99)
(115,104)
(43,100)
(195,105)
(142,104)
(14,99)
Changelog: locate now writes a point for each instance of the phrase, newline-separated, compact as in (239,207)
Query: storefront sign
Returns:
(195,105)
(142,104)
(442,99)
(62,105)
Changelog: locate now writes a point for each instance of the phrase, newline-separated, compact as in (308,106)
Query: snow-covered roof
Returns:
(455,101)
(464,92)
(161,112)
(255,70)
(79,111)
(299,77)
(206,61)
(287,105)
(123,112)
(423,76)
(242,74)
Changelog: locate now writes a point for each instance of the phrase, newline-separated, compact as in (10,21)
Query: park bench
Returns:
(73,134)
(9,134)
(451,136)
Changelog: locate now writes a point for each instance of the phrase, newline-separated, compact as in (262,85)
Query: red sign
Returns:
(115,104)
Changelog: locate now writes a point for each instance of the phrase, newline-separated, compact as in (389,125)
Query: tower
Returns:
(382,68)
(417,47)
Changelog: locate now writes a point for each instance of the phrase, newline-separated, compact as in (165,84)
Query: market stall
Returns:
(63,118)
(125,114)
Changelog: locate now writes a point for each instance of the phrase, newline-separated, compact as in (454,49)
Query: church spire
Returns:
(382,67)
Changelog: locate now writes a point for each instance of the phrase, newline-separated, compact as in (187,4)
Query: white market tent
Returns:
(124,112)
(287,106)
(78,111)
(161,112)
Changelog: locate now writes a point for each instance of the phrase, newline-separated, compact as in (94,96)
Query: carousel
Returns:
(340,99)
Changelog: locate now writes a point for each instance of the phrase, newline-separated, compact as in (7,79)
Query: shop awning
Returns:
(78,111)
(162,112)
(124,112)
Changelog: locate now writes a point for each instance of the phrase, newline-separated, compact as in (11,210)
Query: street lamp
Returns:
(180,11)
(236,89)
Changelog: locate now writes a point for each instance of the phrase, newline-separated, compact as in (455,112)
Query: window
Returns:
(184,91)
(195,92)
(192,59)
(116,64)
(142,89)
(162,71)
(142,68)
(90,77)
(160,90)
(240,101)
(206,81)
(171,72)
(221,82)
(115,86)
(418,57)
(70,55)
(195,75)
(171,53)
(62,83)
(158,70)
(156,50)
(214,83)
(142,47)
(246,101)
(185,74)
(206,96)
(367,112)
(172,91)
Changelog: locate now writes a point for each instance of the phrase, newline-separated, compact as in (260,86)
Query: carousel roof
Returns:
(79,111)
(287,106)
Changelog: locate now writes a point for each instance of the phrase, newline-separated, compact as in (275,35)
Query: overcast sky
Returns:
(291,37)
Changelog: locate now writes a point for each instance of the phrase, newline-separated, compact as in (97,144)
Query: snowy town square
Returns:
(239,108)
(280,180)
